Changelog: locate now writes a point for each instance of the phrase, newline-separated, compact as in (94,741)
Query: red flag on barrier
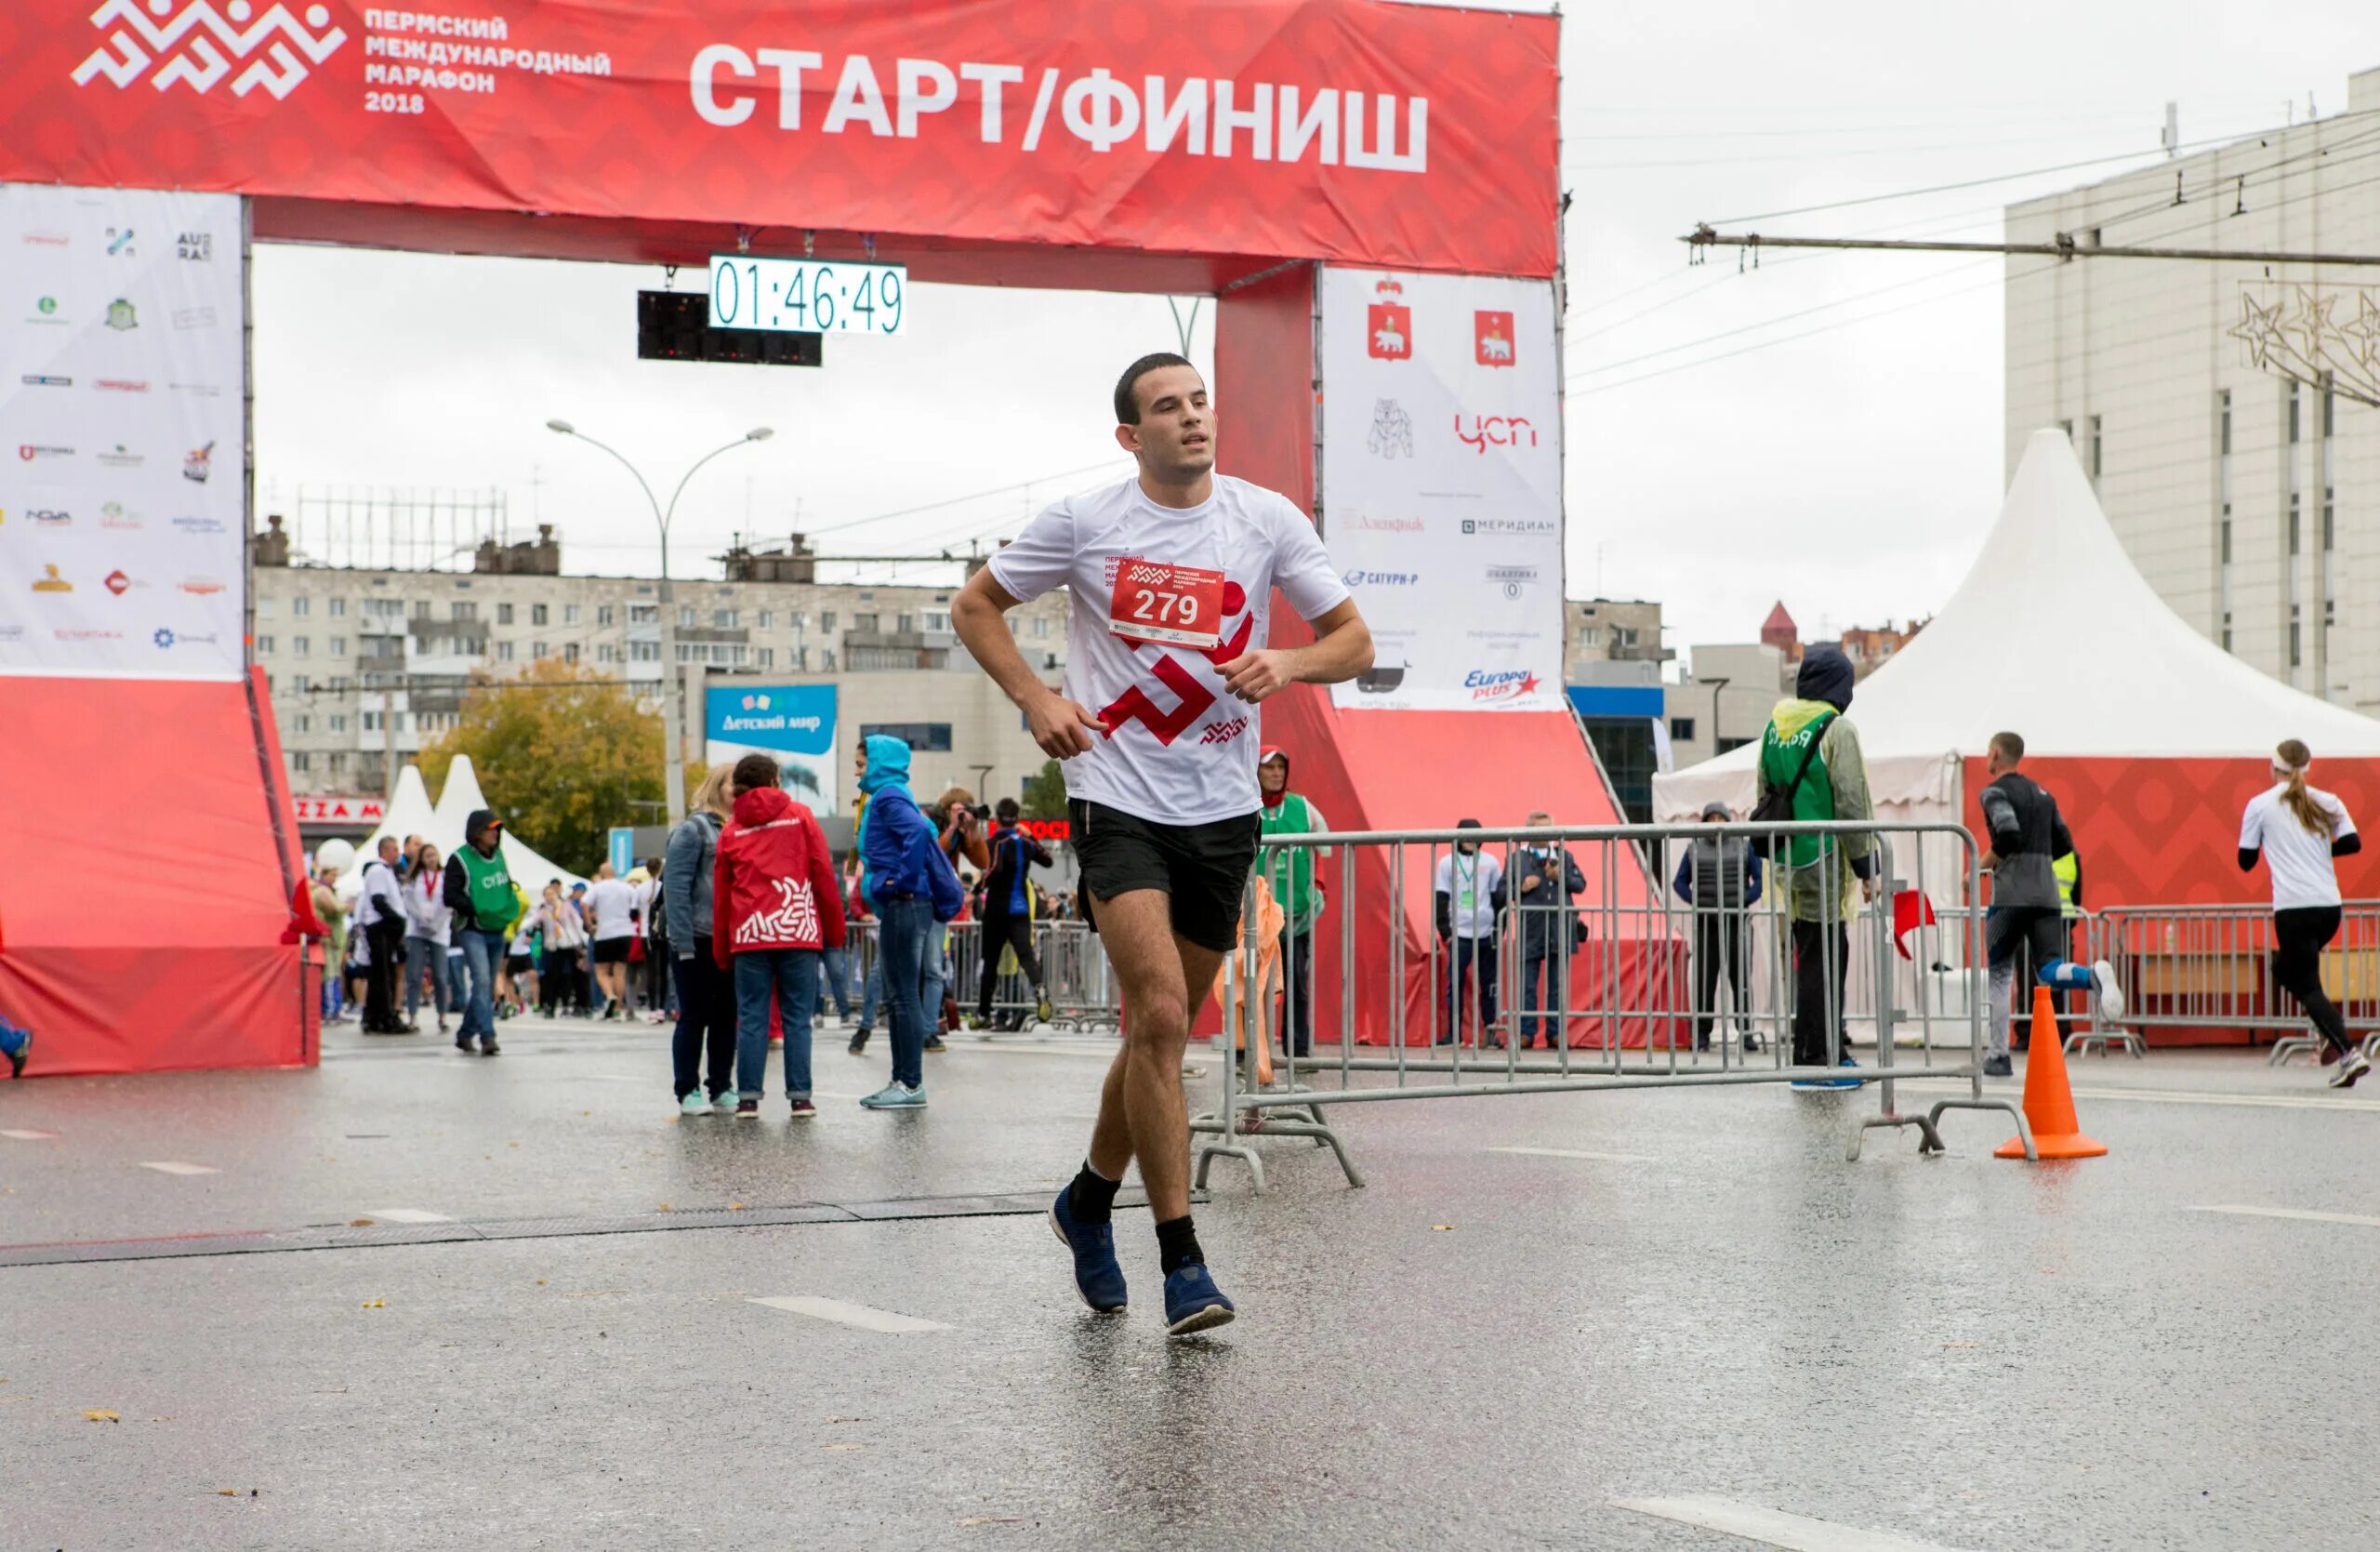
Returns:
(1912,911)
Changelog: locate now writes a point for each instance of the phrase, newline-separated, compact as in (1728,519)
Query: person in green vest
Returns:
(1825,876)
(488,902)
(1289,872)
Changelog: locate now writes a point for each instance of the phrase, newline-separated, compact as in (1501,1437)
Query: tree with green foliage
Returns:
(1045,794)
(563,754)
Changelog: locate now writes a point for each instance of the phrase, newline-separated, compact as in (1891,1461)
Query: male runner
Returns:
(2025,835)
(1171,574)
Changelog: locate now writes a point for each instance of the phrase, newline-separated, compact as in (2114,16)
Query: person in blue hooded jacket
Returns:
(911,886)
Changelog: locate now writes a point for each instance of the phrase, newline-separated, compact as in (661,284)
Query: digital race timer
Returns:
(805,295)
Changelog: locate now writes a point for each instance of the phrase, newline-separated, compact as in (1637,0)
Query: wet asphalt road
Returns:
(1479,1349)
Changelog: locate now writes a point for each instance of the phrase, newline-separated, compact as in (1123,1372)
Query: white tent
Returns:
(411,813)
(2054,633)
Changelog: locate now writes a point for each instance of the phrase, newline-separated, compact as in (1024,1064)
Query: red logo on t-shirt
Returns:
(1191,698)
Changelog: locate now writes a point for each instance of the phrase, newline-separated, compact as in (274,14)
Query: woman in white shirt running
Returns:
(2298,830)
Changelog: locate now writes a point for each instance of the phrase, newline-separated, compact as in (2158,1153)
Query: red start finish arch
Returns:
(1238,148)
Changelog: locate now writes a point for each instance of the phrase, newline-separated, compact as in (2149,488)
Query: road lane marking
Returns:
(846,1314)
(1772,1526)
(1575,1153)
(27,1134)
(406,1214)
(2186,1096)
(169,1166)
(2300,1213)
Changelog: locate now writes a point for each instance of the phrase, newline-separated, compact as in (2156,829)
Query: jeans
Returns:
(1821,950)
(707,1020)
(482,957)
(871,995)
(1541,995)
(837,966)
(334,986)
(1297,992)
(1722,945)
(792,976)
(387,940)
(905,929)
(933,974)
(423,954)
(1463,953)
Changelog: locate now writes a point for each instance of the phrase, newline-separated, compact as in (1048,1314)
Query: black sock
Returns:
(1177,1245)
(1093,1196)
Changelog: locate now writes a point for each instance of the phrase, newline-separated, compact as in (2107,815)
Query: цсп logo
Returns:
(199,45)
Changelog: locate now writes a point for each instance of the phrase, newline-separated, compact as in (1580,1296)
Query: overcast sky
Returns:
(1732,438)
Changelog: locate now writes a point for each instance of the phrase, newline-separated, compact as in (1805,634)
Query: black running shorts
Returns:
(1204,868)
(612,951)
(520,964)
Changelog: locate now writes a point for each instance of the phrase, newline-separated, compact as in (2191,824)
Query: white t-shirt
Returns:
(1180,748)
(610,901)
(1470,884)
(2298,858)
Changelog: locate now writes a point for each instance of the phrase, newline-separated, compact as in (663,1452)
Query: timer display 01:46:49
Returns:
(804,295)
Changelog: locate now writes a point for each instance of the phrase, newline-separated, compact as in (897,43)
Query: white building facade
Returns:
(2224,410)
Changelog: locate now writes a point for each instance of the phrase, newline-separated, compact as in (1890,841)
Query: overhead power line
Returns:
(2063,247)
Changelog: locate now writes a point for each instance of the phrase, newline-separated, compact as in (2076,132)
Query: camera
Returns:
(982,812)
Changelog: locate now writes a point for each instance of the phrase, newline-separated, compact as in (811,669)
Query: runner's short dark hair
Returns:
(1127,404)
(1007,811)
(2011,745)
(754,770)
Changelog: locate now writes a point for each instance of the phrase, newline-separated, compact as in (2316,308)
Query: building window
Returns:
(2295,657)
(570,614)
(299,606)
(865,624)
(1591,635)
(938,621)
(826,622)
(264,646)
(2293,523)
(1682,729)
(338,722)
(2223,412)
(645,613)
(2227,629)
(504,613)
(385,608)
(371,721)
(536,650)
(301,760)
(504,652)
(1040,626)
(1729,746)
(462,609)
(341,684)
(644,652)
(536,614)
(768,619)
(923,737)
(603,614)
(302,646)
(338,762)
(303,723)
(722,619)
(570,652)
(420,608)
(339,608)
(766,657)
(606,652)
(685,616)
(2096,447)
(2293,415)
(903,624)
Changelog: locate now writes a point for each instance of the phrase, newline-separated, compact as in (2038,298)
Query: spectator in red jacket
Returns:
(776,905)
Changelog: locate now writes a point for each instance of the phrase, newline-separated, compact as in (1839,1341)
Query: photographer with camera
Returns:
(961,821)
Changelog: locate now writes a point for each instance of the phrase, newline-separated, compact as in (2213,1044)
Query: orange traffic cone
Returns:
(2049,1103)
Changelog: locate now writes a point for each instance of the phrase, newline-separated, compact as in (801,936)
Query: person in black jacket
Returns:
(1544,883)
(1721,880)
(1008,912)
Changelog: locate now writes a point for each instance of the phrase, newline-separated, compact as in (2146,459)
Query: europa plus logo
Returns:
(198,45)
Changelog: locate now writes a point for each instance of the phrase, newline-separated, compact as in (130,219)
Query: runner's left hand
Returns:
(1255,675)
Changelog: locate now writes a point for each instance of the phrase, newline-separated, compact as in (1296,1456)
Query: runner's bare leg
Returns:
(1142,1113)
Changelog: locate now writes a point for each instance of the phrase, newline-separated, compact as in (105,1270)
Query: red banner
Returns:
(1375,133)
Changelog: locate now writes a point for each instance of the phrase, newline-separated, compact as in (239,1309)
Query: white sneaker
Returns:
(2110,994)
(2353,1068)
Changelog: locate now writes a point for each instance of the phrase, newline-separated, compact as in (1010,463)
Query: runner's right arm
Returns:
(1061,727)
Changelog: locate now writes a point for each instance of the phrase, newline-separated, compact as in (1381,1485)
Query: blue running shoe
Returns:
(896,1097)
(1192,1302)
(1097,1276)
(15,1044)
(1844,1083)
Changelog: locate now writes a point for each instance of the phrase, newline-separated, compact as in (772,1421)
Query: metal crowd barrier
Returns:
(1627,999)
(1081,986)
(2209,967)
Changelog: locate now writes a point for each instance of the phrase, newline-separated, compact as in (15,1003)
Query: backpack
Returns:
(1777,807)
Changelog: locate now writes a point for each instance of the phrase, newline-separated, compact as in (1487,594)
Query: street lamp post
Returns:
(674,777)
